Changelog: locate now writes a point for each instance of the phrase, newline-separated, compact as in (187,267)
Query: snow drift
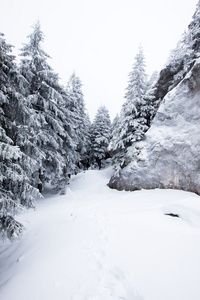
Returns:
(169,155)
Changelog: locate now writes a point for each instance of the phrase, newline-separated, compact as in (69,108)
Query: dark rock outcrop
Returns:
(166,79)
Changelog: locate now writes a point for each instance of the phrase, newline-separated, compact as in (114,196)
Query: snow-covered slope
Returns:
(95,243)
(169,155)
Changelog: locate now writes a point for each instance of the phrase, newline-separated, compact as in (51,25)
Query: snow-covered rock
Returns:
(169,157)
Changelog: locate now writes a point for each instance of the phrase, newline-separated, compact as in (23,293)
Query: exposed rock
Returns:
(169,157)
(166,79)
(172,215)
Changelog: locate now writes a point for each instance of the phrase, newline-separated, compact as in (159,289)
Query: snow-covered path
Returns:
(99,244)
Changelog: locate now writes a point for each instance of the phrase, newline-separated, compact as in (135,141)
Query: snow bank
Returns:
(169,155)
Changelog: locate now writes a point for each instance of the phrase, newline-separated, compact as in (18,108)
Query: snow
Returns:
(95,243)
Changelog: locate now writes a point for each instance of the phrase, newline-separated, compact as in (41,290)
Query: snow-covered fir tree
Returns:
(16,186)
(114,134)
(136,112)
(52,144)
(150,98)
(194,32)
(86,157)
(187,51)
(80,120)
(100,138)
(114,125)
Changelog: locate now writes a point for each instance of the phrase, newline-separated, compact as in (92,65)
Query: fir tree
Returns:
(114,126)
(16,189)
(187,51)
(194,31)
(100,138)
(86,157)
(134,118)
(152,103)
(80,120)
(51,142)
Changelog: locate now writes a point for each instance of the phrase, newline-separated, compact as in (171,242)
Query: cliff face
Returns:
(169,157)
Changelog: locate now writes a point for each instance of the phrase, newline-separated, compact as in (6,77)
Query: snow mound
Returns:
(187,210)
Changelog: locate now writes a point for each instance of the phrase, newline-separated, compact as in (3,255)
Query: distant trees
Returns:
(80,121)
(100,138)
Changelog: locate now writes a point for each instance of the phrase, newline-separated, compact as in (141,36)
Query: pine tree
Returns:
(80,120)
(152,103)
(194,31)
(86,157)
(114,134)
(183,57)
(16,189)
(135,117)
(100,138)
(51,143)
(114,127)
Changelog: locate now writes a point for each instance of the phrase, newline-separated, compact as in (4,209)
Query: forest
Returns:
(46,135)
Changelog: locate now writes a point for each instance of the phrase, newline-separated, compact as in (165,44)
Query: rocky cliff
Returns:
(169,156)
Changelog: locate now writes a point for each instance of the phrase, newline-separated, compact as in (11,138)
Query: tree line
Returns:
(45,133)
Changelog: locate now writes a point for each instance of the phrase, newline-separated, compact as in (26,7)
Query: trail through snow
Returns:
(99,244)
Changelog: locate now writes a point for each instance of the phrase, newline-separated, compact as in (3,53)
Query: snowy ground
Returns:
(99,244)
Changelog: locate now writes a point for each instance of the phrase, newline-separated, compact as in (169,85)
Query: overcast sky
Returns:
(98,39)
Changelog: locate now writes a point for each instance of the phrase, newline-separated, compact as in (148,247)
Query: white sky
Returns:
(98,39)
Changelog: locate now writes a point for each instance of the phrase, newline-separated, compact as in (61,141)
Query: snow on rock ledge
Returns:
(169,157)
